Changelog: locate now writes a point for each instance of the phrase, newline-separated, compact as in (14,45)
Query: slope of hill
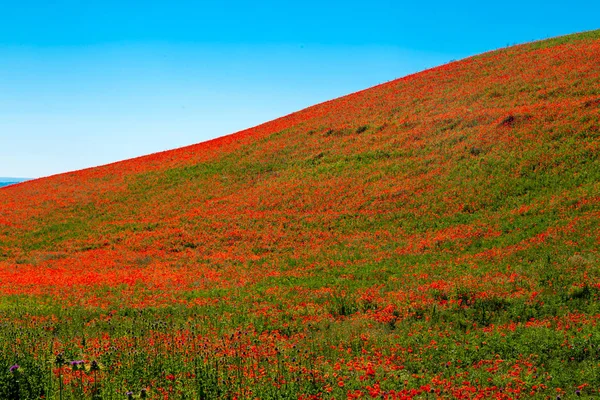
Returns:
(434,235)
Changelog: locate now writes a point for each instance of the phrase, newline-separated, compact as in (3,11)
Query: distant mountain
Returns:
(4,181)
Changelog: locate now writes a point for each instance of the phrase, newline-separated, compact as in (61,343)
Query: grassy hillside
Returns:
(434,236)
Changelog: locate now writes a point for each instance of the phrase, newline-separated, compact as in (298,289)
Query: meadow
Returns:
(435,236)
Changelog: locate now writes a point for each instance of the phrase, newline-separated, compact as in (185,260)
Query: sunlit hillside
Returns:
(434,236)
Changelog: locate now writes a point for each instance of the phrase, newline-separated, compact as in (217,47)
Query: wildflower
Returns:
(129,395)
(94,366)
(60,359)
(76,365)
(578,392)
(14,368)
(143,393)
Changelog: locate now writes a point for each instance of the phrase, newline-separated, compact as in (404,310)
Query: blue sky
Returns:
(88,83)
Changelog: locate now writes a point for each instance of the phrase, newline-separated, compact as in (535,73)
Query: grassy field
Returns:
(436,236)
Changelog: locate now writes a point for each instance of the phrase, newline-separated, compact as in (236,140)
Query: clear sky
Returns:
(88,83)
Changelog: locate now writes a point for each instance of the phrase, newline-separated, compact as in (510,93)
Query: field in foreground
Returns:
(433,237)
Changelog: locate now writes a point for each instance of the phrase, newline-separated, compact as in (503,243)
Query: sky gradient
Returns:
(83,85)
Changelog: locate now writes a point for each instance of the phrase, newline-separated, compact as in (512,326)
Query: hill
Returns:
(434,235)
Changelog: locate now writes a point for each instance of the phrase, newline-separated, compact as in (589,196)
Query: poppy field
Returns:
(436,236)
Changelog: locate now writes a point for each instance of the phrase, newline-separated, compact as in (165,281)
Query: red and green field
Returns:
(436,236)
